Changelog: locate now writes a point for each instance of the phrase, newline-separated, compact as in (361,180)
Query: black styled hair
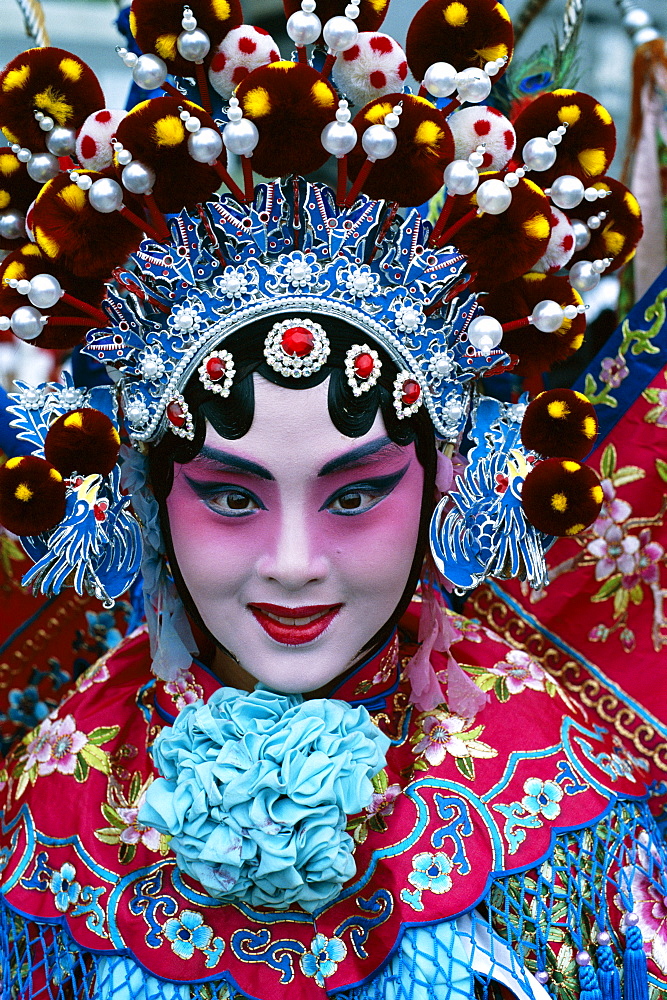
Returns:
(352,415)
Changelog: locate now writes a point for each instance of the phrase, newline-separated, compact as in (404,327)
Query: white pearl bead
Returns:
(476,159)
(308,6)
(304,28)
(340,34)
(234,112)
(491,68)
(61,141)
(511,179)
(149,72)
(5,323)
(378,142)
(593,222)
(583,277)
(582,235)
(22,286)
(130,59)
(12,225)
(473,85)
(493,197)
(352,11)
(42,167)
(124,157)
(84,181)
(339,138)
(460,177)
(567,191)
(539,154)
(570,312)
(46,124)
(26,323)
(440,79)
(138,178)
(562,129)
(44,291)
(106,195)
(23,155)
(520,172)
(391,120)
(591,194)
(554,137)
(193,46)
(547,316)
(205,146)
(241,137)
(192,124)
(485,333)
(599,266)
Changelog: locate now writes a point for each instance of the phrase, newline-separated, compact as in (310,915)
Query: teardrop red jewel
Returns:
(215,369)
(297,342)
(176,414)
(411,392)
(363,365)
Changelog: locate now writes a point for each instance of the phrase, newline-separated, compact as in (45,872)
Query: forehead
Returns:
(292,429)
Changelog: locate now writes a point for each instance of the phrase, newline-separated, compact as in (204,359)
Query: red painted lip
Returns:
(294,635)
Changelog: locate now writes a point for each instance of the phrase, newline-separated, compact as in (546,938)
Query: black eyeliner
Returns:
(382,484)
(207,490)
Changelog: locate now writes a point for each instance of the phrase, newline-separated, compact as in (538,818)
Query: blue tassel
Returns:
(608,977)
(635,973)
(588,982)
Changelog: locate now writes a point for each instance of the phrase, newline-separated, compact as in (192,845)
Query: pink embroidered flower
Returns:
(613,510)
(135,832)
(647,558)
(615,553)
(649,904)
(94,675)
(520,671)
(614,370)
(382,803)
(184,691)
(55,746)
(441,736)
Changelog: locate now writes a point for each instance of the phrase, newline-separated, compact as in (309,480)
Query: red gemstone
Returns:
(215,369)
(363,365)
(298,342)
(411,392)
(176,414)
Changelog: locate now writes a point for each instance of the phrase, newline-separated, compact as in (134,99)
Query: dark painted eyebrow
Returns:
(230,461)
(354,458)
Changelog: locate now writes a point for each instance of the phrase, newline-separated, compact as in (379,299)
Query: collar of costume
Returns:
(453,789)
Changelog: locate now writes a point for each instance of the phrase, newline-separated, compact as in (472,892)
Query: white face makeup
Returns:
(296,541)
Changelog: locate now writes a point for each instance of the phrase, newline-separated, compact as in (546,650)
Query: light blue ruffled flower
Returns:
(64,887)
(322,960)
(186,932)
(430,872)
(255,791)
(542,798)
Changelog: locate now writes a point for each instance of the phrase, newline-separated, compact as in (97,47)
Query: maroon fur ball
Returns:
(17,192)
(537,351)
(588,146)
(425,145)
(464,33)
(83,441)
(290,103)
(561,497)
(371,12)
(49,80)
(560,422)
(32,495)
(620,231)
(156,25)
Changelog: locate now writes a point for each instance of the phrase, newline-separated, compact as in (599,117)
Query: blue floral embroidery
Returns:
(25,708)
(542,798)
(431,872)
(64,887)
(322,960)
(186,932)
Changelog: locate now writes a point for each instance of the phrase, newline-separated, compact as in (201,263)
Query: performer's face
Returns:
(296,541)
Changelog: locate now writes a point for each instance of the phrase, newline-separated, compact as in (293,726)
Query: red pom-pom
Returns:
(49,80)
(290,103)
(32,495)
(156,135)
(502,247)
(17,192)
(24,264)
(156,25)
(560,422)
(243,50)
(619,232)
(371,12)
(94,148)
(69,231)
(588,146)
(561,497)
(83,441)
(461,32)
(537,351)
(413,173)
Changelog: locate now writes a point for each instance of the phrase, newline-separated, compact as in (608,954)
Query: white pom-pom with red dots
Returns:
(93,143)
(374,66)
(561,243)
(242,50)
(473,126)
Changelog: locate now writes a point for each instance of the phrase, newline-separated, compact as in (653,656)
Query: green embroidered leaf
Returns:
(628,474)
(95,757)
(550,687)
(111,816)
(420,765)
(478,749)
(486,682)
(608,462)
(135,787)
(466,766)
(27,778)
(651,395)
(81,769)
(651,416)
(103,734)
(108,835)
(377,823)
(380,782)
(637,594)
(609,587)
(661,469)
(471,734)
(126,853)
(621,601)
(501,690)
(590,387)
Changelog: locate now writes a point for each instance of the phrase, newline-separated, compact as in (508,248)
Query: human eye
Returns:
(358,498)
(229,501)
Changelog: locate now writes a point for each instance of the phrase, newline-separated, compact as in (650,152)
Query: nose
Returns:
(296,558)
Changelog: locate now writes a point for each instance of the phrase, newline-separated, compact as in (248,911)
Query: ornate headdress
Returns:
(117,234)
